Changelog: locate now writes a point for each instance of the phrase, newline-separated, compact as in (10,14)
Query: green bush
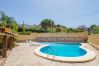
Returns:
(96,31)
(25,33)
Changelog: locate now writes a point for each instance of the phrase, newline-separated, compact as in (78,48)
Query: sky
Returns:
(70,13)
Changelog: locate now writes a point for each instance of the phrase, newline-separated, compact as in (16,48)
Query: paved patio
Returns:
(23,55)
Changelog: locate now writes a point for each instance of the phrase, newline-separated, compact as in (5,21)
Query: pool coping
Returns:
(90,55)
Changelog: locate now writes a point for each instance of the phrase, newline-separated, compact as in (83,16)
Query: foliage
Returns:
(20,29)
(96,30)
(47,23)
(92,26)
(60,29)
(58,25)
(25,33)
(14,26)
(78,30)
(52,30)
(82,28)
(23,27)
(57,29)
(70,30)
(7,21)
(37,29)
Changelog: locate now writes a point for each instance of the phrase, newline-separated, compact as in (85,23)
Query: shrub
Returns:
(25,33)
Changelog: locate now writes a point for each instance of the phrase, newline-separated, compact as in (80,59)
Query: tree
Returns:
(15,26)
(58,25)
(23,27)
(52,30)
(94,29)
(70,30)
(92,26)
(7,21)
(82,27)
(3,19)
(47,24)
(60,29)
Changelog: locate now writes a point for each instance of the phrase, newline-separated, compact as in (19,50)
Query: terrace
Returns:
(23,55)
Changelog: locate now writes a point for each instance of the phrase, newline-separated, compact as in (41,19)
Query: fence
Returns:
(47,37)
(94,40)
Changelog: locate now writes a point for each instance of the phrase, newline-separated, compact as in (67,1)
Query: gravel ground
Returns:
(23,55)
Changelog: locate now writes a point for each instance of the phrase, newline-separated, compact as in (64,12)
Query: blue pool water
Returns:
(63,49)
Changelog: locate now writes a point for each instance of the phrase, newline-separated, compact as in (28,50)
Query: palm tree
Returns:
(7,21)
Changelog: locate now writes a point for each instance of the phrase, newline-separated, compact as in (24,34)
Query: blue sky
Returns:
(70,13)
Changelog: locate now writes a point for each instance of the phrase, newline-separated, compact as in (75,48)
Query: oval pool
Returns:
(65,52)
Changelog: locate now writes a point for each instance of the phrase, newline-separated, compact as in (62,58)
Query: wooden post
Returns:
(4,46)
(13,45)
(11,42)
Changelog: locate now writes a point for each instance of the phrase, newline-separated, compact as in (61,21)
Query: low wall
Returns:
(47,37)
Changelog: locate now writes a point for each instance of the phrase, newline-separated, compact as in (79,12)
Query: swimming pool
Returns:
(65,51)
